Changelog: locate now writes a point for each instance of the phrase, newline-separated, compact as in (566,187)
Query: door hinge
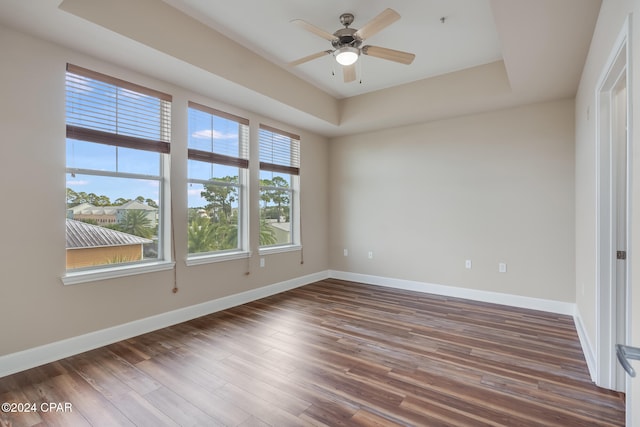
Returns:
(621,254)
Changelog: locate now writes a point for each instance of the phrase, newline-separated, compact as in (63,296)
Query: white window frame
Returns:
(295,243)
(164,261)
(241,252)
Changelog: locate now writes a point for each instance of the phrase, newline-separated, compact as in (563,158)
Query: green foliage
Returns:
(119,259)
(220,197)
(267,234)
(136,222)
(207,234)
(201,235)
(74,199)
(77,198)
(271,193)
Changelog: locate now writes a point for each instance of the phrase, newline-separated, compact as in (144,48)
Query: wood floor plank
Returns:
(333,353)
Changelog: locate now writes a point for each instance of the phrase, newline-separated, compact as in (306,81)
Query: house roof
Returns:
(89,209)
(134,205)
(83,235)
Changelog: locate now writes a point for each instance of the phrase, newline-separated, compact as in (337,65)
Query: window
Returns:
(117,147)
(279,182)
(218,163)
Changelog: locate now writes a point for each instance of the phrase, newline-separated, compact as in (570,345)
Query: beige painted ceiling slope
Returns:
(489,54)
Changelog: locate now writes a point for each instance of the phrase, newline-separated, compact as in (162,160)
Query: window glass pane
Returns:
(111,220)
(114,184)
(207,171)
(275,216)
(279,149)
(214,134)
(275,179)
(98,105)
(101,157)
(138,161)
(213,217)
(89,155)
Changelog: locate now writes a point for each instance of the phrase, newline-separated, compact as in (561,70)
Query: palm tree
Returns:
(267,234)
(201,235)
(136,222)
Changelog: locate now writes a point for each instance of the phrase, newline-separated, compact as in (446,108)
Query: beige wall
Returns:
(493,187)
(610,23)
(39,308)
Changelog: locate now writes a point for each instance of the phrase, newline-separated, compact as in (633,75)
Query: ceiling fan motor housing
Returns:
(346,37)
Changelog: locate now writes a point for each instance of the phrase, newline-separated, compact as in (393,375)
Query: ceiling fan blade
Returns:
(389,54)
(383,20)
(309,58)
(313,29)
(349,73)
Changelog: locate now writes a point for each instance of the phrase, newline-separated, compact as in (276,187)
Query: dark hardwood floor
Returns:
(332,353)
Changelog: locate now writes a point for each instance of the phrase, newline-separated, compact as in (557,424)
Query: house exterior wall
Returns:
(101,220)
(86,257)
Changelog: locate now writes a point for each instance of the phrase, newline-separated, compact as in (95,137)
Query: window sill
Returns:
(279,249)
(78,277)
(211,258)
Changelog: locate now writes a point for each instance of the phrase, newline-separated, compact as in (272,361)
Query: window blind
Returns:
(279,150)
(107,110)
(225,149)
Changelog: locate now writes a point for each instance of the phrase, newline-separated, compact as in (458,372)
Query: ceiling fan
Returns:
(347,42)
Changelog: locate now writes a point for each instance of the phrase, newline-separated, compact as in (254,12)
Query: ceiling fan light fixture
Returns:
(347,55)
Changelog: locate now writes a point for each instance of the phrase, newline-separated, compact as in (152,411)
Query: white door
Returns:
(620,150)
(614,200)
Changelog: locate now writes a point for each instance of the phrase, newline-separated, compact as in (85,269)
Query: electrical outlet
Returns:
(261,262)
(502,267)
(346,252)
(467,264)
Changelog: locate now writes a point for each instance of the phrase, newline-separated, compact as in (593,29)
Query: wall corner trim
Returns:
(587,348)
(30,358)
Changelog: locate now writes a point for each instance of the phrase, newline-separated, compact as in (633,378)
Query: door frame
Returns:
(617,66)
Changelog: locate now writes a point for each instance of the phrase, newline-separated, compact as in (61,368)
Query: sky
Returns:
(102,106)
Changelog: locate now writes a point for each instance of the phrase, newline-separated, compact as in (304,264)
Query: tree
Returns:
(77,198)
(267,234)
(72,197)
(201,235)
(272,193)
(136,222)
(220,197)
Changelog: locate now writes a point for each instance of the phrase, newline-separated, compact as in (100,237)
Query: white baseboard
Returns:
(19,361)
(557,307)
(587,348)
(551,306)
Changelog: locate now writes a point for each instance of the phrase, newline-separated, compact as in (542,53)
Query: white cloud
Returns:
(78,182)
(212,133)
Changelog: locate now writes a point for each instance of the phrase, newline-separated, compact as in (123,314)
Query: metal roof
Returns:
(83,235)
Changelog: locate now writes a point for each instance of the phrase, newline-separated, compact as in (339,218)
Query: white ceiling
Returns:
(236,53)
(467,38)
